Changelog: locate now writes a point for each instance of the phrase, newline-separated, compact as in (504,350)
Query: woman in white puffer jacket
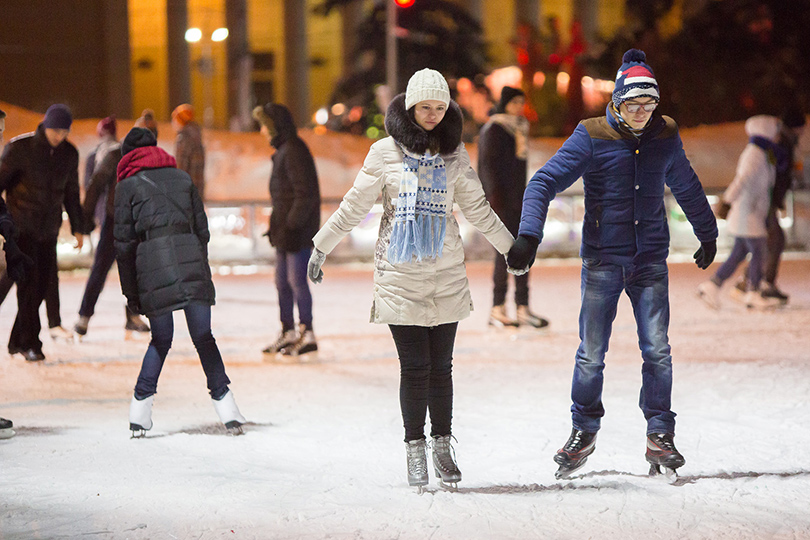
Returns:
(747,200)
(420,281)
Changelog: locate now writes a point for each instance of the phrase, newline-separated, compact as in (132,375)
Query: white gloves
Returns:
(316,260)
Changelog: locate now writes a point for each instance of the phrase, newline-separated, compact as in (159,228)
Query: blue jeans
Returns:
(198,318)
(757,247)
(647,287)
(291,282)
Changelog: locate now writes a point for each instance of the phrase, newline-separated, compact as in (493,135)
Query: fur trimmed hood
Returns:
(400,125)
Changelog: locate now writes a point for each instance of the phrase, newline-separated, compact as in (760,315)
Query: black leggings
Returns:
(426,377)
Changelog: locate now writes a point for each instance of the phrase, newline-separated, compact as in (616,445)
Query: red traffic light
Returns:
(404,3)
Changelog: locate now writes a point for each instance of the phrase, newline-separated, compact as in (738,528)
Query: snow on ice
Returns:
(323,457)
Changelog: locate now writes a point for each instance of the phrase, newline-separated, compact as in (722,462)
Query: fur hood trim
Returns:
(400,125)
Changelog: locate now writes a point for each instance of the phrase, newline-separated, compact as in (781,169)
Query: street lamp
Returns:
(206,67)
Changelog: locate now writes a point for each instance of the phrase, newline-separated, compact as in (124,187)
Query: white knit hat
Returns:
(426,84)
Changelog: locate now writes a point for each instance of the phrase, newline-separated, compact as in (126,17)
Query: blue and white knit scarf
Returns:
(420,219)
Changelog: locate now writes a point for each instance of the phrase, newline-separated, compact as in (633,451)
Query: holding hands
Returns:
(521,256)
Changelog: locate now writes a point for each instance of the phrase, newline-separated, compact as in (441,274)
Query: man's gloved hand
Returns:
(521,256)
(18,264)
(705,254)
(316,260)
(722,210)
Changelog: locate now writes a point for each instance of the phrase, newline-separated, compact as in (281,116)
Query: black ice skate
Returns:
(444,463)
(574,454)
(662,455)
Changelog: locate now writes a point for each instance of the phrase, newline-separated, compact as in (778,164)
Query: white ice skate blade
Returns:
(138,434)
(448,486)
(670,475)
(568,474)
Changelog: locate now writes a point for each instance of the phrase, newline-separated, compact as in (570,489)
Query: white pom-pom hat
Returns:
(426,84)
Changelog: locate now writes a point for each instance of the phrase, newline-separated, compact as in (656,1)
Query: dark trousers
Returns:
(776,246)
(499,278)
(198,318)
(31,292)
(425,377)
(293,288)
(102,262)
(51,296)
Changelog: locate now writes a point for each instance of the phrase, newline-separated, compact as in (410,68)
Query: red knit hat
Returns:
(183,114)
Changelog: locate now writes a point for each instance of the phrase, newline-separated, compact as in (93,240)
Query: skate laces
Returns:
(444,452)
(664,442)
(574,443)
(417,459)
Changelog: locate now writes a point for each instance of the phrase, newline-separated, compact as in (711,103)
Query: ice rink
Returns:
(323,457)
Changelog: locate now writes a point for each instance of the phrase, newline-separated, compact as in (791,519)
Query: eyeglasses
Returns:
(634,107)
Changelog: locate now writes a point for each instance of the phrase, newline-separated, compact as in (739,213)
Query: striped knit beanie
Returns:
(635,78)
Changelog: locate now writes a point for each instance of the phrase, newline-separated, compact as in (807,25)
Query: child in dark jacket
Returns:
(161,244)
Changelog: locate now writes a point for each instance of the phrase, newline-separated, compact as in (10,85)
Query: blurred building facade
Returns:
(122,56)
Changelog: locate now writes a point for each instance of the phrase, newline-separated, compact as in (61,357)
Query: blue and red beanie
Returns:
(635,78)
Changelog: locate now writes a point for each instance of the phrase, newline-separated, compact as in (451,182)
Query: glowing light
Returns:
(220,34)
(563,79)
(372,132)
(404,3)
(321,116)
(338,109)
(193,35)
(539,79)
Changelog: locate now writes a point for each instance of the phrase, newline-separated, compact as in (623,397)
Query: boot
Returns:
(285,339)
(661,452)
(306,343)
(229,413)
(499,318)
(574,454)
(417,463)
(59,332)
(755,299)
(135,323)
(772,291)
(140,416)
(524,316)
(81,325)
(444,462)
(709,292)
(6,431)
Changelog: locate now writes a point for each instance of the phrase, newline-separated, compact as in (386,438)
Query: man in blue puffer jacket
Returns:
(626,159)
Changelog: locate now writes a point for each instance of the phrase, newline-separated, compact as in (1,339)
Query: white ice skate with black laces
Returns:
(416,452)
(662,455)
(6,429)
(574,454)
(444,463)
(140,416)
(229,413)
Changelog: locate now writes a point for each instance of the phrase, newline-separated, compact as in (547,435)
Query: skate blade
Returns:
(661,470)
(138,434)
(234,428)
(565,474)
(448,486)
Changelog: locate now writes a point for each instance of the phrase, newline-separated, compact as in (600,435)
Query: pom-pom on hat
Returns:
(107,126)
(136,138)
(426,84)
(57,117)
(183,114)
(635,78)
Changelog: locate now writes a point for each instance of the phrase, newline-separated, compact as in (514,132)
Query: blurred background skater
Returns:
(161,244)
(420,281)
(188,147)
(503,149)
(746,204)
(787,173)
(39,174)
(100,196)
(296,216)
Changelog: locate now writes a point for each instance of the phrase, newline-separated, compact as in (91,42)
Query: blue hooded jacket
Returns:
(624,177)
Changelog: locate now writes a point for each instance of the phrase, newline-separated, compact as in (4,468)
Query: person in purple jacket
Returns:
(626,159)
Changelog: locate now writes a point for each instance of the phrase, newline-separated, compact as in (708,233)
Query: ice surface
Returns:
(323,455)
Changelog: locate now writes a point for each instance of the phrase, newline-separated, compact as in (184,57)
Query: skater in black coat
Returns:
(503,149)
(161,238)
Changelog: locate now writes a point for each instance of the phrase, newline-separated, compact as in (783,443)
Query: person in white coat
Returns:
(420,283)
(746,202)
